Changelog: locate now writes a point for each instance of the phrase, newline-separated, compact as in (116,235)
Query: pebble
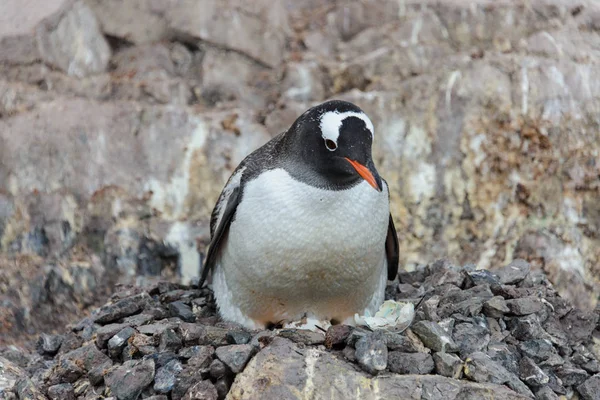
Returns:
(169,341)
(106,332)
(49,344)
(590,389)
(545,393)
(235,356)
(434,336)
(514,272)
(217,369)
(303,336)
(118,341)
(213,336)
(336,335)
(166,376)
(495,307)
(238,337)
(203,390)
(203,357)
(122,308)
(129,380)
(447,364)
(471,338)
(372,353)
(63,391)
(479,367)
(531,374)
(181,310)
(186,378)
(410,363)
(570,375)
(525,305)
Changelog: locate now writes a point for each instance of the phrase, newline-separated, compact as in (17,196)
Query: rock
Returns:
(495,307)
(545,393)
(122,308)
(203,390)
(410,363)
(527,328)
(202,357)
(590,389)
(217,369)
(471,338)
(62,391)
(213,336)
(570,376)
(169,341)
(531,374)
(483,276)
(579,324)
(302,336)
(27,390)
(235,356)
(447,364)
(186,379)
(96,375)
(514,272)
(10,374)
(166,376)
(481,368)
(46,34)
(118,341)
(130,379)
(291,367)
(372,353)
(182,310)
(49,344)
(434,337)
(507,355)
(406,343)
(525,305)
(106,332)
(259,34)
(538,350)
(155,329)
(238,337)
(87,357)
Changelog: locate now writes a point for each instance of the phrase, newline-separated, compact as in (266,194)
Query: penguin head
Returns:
(334,139)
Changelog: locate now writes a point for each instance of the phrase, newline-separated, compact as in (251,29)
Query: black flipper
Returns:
(215,243)
(392,250)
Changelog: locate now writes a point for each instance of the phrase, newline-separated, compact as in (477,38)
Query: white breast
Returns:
(295,247)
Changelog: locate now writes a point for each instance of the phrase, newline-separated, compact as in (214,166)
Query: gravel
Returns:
(486,327)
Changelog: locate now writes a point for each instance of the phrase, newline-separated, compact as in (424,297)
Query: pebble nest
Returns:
(165,341)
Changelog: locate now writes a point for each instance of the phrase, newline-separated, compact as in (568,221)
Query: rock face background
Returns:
(121,120)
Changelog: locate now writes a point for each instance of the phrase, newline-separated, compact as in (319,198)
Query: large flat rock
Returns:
(282,370)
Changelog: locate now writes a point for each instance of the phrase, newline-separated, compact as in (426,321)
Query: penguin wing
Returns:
(392,250)
(220,220)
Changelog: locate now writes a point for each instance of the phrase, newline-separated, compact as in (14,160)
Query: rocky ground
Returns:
(476,335)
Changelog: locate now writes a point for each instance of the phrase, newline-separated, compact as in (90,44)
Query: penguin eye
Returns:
(330,144)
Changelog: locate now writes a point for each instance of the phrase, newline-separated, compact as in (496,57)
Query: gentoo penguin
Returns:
(303,230)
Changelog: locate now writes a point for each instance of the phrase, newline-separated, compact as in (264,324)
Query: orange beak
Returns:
(364,173)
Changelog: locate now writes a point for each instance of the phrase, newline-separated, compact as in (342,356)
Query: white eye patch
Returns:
(331,122)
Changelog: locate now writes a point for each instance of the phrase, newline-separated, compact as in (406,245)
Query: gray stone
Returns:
(507,355)
(235,356)
(213,336)
(545,393)
(329,377)
(217,369)
(238,337)
(186,379)
(302,336)
(169,341)
(410,363)
(538,350)
(26,389)
(514,272)
(570,375)
(86,357)
(119,341)
(63,391)
(372,353)
(182,310)
(531,374)
(49,344)
(481,368)
(202,357)
(408,342)
(527,328)
(525,305)
(96,375)
(495,307)
(471,338)
(590,389)
(122,308)
(203,390)
(434,336)
(579,324)
(166,376)
(447,364)
(130,379)
(106,332)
